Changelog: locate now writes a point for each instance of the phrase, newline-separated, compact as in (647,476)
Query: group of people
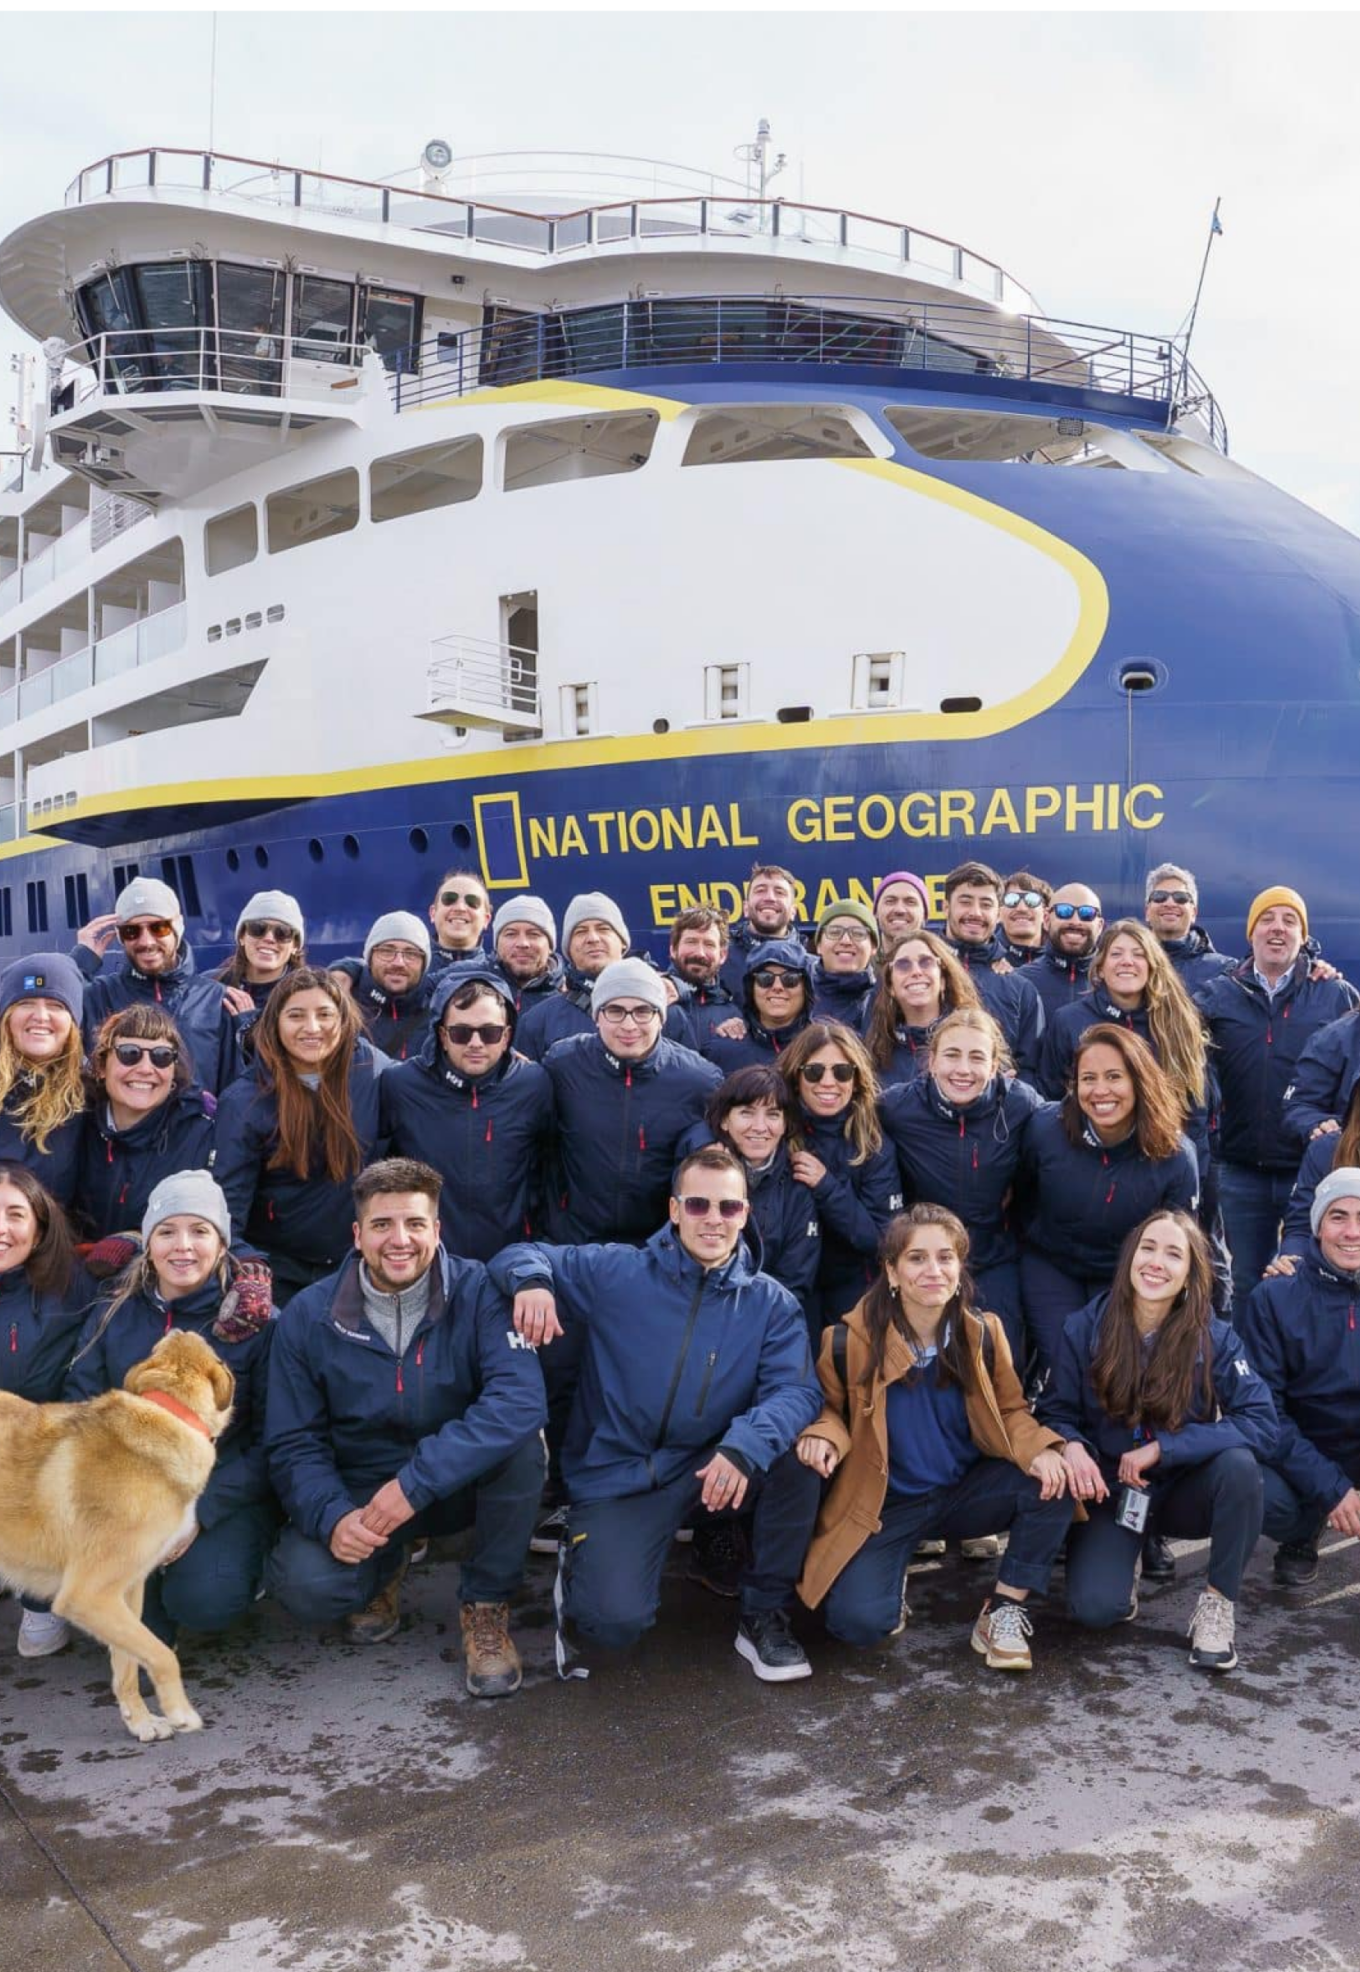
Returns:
(808,1247)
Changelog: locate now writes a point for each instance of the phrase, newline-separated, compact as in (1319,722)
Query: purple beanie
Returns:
(902,876)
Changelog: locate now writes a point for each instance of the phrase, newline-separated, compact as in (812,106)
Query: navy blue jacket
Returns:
(965,1159)
(760,1046)
(676,1360)
(1196,960)
(1081,1200)
(1097,1008)
(746,944)
(1318,1160)
(239,1476)
(346,1414)
(1018,955)
(524,993)
(309,1221)
(1010,999)
(618,1125)
(394,1022)
(119,1169)
(910,1056)
(784,1213)
(441,960)
(1262,1047)
(488,1139)
(843,996)
(1302,1336)
(854,1203)
(701,1008)
(1058,980)
(558,1016)
(1327,1071)
(57,1167)
(38,1333)
(193,1001)
(1240,1417)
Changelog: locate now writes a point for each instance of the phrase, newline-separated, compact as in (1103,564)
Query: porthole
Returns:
(315,850)
(661,725)
(793,715)
(274,613)
(350,845)
(461,836)
(1138,678)
(261,856)
(254,620)
(960,705)
(233,626)
(419,841)
(233,860)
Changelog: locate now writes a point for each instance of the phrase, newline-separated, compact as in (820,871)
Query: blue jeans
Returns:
(1222,1498)
(1253,1210)
(218,1579)
(501,1507)
(865,1599)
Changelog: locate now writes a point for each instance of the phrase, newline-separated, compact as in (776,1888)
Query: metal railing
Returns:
(984,349)
(484,684)
(728,214)
(95,664)
(254,363)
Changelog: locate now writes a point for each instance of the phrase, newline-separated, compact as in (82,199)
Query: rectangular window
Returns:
(37,905)
(6,912)
(323,320)
(312,511)
(417,482)
(178,872)
(77,901)
(391,322)
(123,875)
(231,540)
(727,690)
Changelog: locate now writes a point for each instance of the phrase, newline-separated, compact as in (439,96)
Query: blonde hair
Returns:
(1174,1026)
(140,1277)
(977,1020)
(52,1092)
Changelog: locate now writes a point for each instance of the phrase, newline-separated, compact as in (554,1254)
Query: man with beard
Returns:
(1074,923)
(972,894)
(699,940)
(771,913)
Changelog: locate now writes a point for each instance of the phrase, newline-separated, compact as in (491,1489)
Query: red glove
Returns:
(110,1255)
(247,1304)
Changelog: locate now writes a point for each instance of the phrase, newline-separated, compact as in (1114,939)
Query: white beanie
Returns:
(593,904)
(524,910)
(634,977)
(399,924)
(1344,1182)
(275,904)
(195,1193)
(146,897)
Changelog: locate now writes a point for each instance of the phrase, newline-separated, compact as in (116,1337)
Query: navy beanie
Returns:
(43,976)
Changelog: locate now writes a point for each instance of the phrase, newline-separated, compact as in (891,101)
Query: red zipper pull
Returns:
(975,1157)
(420,1352)
(14,1336)
(1109,1196)
(108,1150)
(489,1121)
(962,1131)
(122,1196)
(475,1103)
(627,1078)
(1351,1323)
(1270,1031)
(400,1385)
(169,1320)
(642,1138)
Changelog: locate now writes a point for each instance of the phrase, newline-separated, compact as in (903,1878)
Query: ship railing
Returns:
(472,682)
(95,664)
(722,213)
(237,362)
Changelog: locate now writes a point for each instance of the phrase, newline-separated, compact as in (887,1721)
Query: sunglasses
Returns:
(1086,912)
(1014,897)
(461,1032)
(472,898)
(1171,897)
(699,1208)
(928,964)
(616,1014)
(839,1071)
(282,934)
(158,927)
(160,1056)
(766,977)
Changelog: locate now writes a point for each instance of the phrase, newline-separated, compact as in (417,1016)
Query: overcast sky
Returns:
(1082,151)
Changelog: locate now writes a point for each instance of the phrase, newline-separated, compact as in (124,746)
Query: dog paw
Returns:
(187,1720)
(146,1729)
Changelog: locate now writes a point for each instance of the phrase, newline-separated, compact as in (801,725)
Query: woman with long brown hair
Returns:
(1094,1166)
(296,1129)
(920,982)
(925,1433)
(1162,1414)
(42,1090)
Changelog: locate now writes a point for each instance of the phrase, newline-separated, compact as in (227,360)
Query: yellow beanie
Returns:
(1279,893)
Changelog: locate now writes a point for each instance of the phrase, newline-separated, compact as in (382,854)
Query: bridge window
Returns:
(391,322)
(231,540)
(996,437)
(577,448)
(313,511)
(418,482)
(323,319)
(742,433)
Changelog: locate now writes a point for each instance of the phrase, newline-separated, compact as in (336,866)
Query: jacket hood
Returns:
(481,972)
(785,952)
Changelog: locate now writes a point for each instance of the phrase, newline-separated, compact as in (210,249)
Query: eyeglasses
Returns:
(1086,912)
(839,1071)
(282,934)
(616,1014)
(1171,897)
(1014,897)
(696,1207)
(160,1056)
(766,976)
(928,964)
(472,898)
(848,934)
(409,954)
(462,1031)
(158,927)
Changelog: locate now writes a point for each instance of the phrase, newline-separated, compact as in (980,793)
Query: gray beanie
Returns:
(399,924)
(146,897)
(1341,1183)
(192,1192)
(275,904)
(634,977)
(524,910)
(593,904)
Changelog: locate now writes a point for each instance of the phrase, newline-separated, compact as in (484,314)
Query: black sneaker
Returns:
(717,1557)
(1296,1564)
(547,1535)
(1159,1563)
(769,1646)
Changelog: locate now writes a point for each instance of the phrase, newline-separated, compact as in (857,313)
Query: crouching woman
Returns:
(186,1278)
(925,1435)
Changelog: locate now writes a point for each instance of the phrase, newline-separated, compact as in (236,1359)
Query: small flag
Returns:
(1215,225)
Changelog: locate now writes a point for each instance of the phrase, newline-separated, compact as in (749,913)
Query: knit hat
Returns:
(847,907)
(195,1193)
(902,876)
(275,904)
(398,924)
(1278,893)
(43,976)
(593,904)
(1342,1183)
(525,910)
(146,897)
(634,977)
(477,972)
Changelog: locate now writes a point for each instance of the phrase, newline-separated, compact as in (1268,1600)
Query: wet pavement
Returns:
(351,1808)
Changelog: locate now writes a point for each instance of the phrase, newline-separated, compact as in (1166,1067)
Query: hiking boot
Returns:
(769,1646)
(548,1534)
(1296,1565)
(1001,1635)
(1159,1563)
(493,1666)
(41,1634)
(717,1558)
(382,1618)
(1211,1633)
(985,1547)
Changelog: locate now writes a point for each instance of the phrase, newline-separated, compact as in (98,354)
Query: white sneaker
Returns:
(41,1634)
(1211,1633)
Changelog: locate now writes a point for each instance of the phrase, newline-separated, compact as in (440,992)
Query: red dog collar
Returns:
(166,1402)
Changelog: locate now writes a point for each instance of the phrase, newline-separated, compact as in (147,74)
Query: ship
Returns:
(596,523)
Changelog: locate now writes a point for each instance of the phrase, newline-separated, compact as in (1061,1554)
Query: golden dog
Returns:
(97,1494)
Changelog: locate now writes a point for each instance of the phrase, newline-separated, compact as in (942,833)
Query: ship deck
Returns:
(349,1808)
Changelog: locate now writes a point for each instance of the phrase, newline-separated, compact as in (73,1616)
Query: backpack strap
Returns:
(840,1344)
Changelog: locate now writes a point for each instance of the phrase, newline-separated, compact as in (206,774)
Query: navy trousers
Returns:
(1050,1296)
(865,1600)
(997,1292)
(1222,1498)
(1289,1517)
(218,1579)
